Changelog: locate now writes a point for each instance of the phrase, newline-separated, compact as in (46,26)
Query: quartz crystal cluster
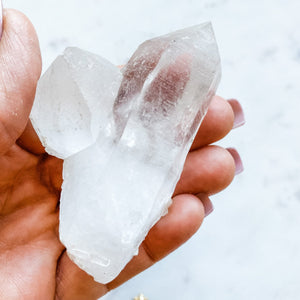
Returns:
(124,136)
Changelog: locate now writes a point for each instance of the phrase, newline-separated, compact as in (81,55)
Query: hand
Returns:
(33,262)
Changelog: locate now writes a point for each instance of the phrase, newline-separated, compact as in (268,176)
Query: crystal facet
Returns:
(124,139)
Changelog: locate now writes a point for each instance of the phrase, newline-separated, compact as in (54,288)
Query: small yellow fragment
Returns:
(140,297)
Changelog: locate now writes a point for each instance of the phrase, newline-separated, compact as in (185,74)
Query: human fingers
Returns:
(208,170)
(20,65)
(221,117)
(183,220)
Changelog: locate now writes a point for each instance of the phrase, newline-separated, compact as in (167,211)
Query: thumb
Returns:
(20,69)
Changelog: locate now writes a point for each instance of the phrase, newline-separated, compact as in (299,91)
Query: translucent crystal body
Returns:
(124,139)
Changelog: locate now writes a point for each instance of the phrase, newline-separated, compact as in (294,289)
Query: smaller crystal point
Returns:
(67,113)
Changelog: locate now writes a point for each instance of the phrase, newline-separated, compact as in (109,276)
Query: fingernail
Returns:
(1,18)
(239,168)
(207,204)
(239,117)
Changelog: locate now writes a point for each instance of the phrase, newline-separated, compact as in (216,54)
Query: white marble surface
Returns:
(249,248)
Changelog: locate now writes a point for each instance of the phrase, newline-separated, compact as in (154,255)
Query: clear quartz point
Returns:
(73,103)
(124,139)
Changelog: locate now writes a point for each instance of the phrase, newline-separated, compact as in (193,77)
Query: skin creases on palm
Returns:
(29,244)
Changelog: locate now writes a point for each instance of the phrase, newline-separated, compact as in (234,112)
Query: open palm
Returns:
(33,262)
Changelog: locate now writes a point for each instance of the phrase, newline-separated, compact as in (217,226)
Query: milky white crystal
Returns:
(124,139)
(74,99)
